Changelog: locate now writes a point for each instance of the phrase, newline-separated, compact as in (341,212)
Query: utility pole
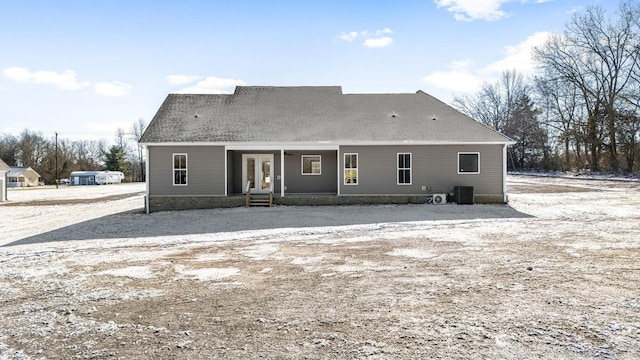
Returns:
(57,160)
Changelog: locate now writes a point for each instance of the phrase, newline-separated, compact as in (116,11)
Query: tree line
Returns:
(581,110)
(31,148)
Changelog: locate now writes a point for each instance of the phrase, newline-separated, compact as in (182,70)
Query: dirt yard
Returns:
(84,274)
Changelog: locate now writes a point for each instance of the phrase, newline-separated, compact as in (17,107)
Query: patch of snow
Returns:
(360,267)
(136,272)
(72,192)
(207,274)
(412,253)
(121,255)
(586,246)
(211,257)
(40,271)
(573,253)
(306,261)
(262,252)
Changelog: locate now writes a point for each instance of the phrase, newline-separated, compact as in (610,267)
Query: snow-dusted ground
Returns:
(554,274)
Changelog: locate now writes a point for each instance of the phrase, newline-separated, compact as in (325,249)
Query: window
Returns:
(351,169)
(469,163)
(179,169)
(311,165)
(404,168)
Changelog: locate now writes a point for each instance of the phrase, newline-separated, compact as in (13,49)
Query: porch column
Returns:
(226,172)
(146,178)
(338,171)
(281,172)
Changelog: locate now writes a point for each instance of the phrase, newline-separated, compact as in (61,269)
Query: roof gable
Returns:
(311,114)
(16,171)
(4,167)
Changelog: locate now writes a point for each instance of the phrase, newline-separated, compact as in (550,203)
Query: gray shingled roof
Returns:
(311,114)
(16,171)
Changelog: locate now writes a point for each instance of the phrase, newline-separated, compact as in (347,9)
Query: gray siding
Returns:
(295,182)
(434,166)
(205,171)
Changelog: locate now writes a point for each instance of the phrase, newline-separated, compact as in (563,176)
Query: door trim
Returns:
(259,160)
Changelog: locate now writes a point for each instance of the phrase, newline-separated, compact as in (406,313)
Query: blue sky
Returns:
(85,68)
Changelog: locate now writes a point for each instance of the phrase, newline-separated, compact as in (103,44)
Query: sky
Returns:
(84,69)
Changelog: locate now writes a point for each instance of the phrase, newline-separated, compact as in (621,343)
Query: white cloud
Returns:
(378,43)
(66,80)
(463,77)
(384,31)
(181,79)
(459,78)
(113,88)
(469,10)
(490,10)
(212,85)
(519,56)
(371,40)
(350,36)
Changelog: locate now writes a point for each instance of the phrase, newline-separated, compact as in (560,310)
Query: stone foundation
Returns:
(169,203)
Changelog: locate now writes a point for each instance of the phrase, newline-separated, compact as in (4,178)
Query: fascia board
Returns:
(331,145)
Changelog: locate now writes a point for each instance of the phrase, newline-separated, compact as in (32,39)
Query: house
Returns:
(316,145)
(4,169)
(22,176)
(95,177)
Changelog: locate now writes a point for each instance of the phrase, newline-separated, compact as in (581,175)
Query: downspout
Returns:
(504,174)
(146,178)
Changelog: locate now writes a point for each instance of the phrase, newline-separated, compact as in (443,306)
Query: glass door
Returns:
(265,173)
(257,170)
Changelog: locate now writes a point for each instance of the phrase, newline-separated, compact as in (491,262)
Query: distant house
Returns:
(316,145)
(4,169)
(22,176)
(95,177)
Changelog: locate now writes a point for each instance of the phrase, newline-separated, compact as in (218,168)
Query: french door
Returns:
(258,170)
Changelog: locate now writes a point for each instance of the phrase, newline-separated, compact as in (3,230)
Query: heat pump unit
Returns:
(463,195)
(439,199)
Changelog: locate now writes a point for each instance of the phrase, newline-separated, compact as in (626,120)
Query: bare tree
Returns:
(564,116)
(137,129)
(493,104)
(599,56)
(523,126)
(9,149)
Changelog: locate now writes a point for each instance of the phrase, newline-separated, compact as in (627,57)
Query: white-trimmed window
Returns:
(311,165)
(179,169)
(351,169)
(404,168)
(469,163)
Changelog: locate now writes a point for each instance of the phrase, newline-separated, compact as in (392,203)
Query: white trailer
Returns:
(96,177)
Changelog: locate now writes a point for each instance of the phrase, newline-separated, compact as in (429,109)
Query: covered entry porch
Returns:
(282,171)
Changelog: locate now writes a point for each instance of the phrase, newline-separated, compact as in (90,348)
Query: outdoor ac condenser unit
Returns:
(439,199)
(463,195)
